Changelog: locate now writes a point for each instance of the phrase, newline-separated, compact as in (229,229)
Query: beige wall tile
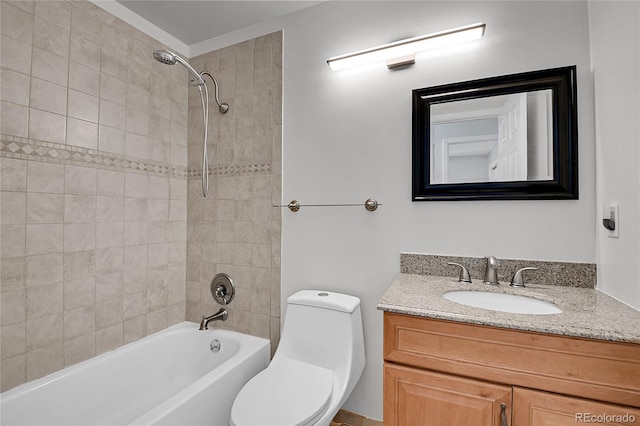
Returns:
(79,293)
(86,80)
(47,126)
(13,241)
(15,87)
(14,119)
(110,183)
(83,106)
(82,133)
(138,98)
(44,300)
(135,280)
(13,372)
(135,328)
(13,174)
(14,306)
(110,209)
(136,185)
(12,274)
(109,286)
(80,180)
(137,122)
(56,11)
(134,232)
(109,234)
(14,340)
(16,23)
(45,360)
(109,338)
(109,260)
(44,208)
(79,321)
(157,321)
(16,55)
(12,207)
(85,25)
(38,336)
(112,114)
(45,177)
(79,237)
(136,145)
(111,140)
(135,305)
(50,67)
(79,265)
(79,208)
(85,52)
(43,269)
(113,89)
(79,349)
(51,37)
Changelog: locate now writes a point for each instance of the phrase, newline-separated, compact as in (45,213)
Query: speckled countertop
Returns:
(586,312)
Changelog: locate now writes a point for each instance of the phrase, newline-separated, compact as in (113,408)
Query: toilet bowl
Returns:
(317,364)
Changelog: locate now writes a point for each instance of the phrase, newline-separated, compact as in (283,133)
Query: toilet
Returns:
(316,366)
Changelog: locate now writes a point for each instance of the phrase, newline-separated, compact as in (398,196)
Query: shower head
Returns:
(165,57)
(169,58)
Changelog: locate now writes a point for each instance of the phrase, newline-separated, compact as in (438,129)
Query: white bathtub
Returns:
(169,378)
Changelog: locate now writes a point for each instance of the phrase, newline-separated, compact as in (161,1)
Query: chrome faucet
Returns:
(491,271)
(221,315)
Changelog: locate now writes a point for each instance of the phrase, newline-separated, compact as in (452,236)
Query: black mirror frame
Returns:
(562,82)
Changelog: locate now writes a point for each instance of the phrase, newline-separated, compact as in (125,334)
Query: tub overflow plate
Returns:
(214,346)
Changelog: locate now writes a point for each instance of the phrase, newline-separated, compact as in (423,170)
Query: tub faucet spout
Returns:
(221,315)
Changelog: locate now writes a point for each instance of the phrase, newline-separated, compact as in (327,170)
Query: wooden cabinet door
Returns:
(415,397)
(537,408)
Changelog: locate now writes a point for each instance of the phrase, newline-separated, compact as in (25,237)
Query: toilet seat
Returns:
(287,393)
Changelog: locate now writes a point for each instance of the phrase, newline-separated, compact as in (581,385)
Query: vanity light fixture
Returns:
(403,52)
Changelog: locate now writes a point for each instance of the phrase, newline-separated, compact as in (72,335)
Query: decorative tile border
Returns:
(49,152)
(549,273)
(233,169)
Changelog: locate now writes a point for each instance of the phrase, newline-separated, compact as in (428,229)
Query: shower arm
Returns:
(222,107)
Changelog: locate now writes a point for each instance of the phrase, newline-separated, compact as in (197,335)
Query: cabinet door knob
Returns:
(503,414)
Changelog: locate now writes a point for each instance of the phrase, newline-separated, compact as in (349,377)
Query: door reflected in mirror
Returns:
(494,139)
(498,138)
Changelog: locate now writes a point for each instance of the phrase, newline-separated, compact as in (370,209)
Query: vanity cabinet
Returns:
(440,372)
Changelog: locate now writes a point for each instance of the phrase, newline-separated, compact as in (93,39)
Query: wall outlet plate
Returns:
(613,213)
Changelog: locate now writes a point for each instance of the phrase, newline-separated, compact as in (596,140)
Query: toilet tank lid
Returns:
(325,299)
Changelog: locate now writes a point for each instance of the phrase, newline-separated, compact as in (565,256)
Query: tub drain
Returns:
(214,346)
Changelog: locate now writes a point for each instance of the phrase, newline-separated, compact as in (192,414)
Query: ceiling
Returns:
(194,21)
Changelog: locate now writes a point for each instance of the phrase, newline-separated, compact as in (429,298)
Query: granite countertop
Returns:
(586,312)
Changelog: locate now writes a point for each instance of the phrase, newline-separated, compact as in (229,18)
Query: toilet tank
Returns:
(325,329)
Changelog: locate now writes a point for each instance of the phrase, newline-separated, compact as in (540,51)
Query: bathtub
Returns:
(172,377)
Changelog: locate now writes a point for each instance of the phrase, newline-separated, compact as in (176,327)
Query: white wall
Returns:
(616,68)
(347,137)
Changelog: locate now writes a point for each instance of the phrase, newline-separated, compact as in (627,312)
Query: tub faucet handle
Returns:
(517,280)
(464,274)
(491,271)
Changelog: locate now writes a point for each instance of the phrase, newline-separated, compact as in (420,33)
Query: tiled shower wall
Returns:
(235,229)
(93,155)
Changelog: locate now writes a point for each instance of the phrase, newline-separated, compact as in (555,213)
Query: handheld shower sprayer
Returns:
(169,58)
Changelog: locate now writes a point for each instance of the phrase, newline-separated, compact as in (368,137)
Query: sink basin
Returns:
(502,302)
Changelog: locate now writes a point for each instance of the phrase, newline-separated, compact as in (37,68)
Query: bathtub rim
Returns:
(254,343)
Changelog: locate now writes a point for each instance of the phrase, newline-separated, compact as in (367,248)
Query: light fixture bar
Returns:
(407,47)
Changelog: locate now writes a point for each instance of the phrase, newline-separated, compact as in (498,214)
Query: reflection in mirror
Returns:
(493,139)
(507,137)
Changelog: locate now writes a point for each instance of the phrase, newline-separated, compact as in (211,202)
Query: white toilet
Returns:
(316,366)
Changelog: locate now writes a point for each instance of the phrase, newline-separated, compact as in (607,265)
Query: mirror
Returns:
(508,137)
